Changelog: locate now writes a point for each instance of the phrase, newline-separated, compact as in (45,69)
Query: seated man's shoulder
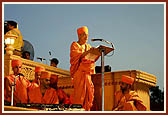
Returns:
(33,89)
(132,92)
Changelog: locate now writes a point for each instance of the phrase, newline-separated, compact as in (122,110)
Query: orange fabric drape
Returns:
(20,93)
(33,85)
(129,102)
(81,70)
(63,98)
(50,96)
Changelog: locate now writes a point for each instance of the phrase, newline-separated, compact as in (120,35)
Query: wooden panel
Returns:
(12,108)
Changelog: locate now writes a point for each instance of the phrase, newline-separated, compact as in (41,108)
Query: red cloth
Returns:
(129,102)
(127,79)
(33,85)
(20,94)
(50,96)
(82,30)
(39,69)
(45,74)
(63,98)
(16,63)
(81,71)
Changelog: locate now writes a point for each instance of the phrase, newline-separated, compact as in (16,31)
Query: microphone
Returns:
(20,74)
(49,52)
(40,58)
(49,55)
(96,39)
(102,41)
(17,76)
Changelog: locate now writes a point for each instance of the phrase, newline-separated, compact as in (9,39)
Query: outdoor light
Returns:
(9,41)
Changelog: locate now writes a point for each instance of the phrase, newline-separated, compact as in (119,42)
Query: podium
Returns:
(92,54)
(98,51)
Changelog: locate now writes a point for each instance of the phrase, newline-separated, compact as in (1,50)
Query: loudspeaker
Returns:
(107,68)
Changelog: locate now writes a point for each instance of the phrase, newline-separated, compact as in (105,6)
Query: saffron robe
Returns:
(129,102)
(63,98)
(33,85)
(50,96)
(81,70)
(20,93)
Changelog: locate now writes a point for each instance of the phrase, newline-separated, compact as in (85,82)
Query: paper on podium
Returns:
(92,54)
(91,57)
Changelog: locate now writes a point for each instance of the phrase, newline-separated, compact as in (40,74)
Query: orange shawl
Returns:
(129,102)
(20,94)
(81,70)
(50,96)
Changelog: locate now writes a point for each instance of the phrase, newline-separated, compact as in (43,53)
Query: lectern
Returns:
(92,55)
